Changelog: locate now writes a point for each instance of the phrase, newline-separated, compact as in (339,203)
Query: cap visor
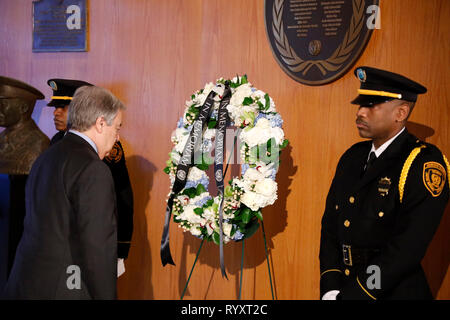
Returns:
(56,103)
(366,100)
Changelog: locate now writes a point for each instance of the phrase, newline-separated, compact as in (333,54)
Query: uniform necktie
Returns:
(372,158)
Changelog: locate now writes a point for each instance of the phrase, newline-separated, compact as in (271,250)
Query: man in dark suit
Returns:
(69,246)
(63,91)
(386,199)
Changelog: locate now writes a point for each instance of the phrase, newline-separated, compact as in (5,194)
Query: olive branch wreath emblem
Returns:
(335,61)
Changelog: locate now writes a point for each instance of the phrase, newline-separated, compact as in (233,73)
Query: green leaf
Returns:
(247,101)
(267,98)
(166,170)
(260,105)
(228,191)
(202,166)
(284,144)
(212,124)
(246,215)
(258,214)
(198,211)
(216,238)
(200,189)
(251,229)
(190,192)
(244,79)
(209,203)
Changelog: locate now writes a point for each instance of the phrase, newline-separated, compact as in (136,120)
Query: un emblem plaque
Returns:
(316,41)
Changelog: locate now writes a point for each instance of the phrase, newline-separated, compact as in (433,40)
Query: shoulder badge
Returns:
(115,155)
(434,177)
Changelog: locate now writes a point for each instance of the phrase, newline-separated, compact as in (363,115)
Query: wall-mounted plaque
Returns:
(59,25)
(316,41)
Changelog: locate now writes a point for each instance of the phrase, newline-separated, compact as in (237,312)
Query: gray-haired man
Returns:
(69,246)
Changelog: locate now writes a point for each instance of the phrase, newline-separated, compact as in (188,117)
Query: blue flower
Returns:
(238,235)
(275,119)
(194,184)
(203,201)
(180,123)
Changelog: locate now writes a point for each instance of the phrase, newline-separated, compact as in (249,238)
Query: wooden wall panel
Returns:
(153,54)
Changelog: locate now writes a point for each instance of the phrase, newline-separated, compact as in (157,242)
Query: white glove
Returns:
(330,295)
(120,267)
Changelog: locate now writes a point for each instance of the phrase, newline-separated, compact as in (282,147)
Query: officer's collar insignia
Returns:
(53,85)
(361,75)
(383,186)
(115,155)
(434,177)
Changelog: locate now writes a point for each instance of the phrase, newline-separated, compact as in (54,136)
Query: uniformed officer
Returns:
(63,91)
(385,201)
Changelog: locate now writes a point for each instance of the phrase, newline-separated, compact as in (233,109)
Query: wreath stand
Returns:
(242,265)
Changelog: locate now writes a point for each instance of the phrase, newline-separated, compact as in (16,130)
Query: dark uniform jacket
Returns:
(368,232)
(70,223)
(124,194)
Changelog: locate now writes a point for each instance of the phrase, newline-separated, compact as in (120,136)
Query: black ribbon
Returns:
(218,165)
(186,162)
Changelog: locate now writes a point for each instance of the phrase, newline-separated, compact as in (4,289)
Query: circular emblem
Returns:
(53,85)
(181,175)
(314,47)
(115,155)
(361,75)
(219,175)
(317,42)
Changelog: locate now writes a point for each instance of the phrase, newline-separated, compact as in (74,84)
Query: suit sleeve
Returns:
(330,253)
(97,231)
(419,216)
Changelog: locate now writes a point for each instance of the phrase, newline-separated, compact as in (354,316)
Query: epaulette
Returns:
(405,169)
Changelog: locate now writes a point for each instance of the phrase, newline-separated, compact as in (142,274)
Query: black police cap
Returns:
(63,90)
(378,86)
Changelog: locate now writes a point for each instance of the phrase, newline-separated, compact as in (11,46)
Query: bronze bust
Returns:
(21,142)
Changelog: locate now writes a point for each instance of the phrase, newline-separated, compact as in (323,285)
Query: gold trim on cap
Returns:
(379,93)
(62,97)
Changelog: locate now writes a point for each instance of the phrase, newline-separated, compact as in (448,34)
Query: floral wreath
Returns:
(262,139)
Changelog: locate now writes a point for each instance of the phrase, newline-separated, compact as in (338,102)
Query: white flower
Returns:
(180,136)
(190,216)
(209,214)
(195,230)
(209,134)
(196,174)
(252,200)
(227,228)
(210,228)
(261,133)
(175,157)
(267,187)
(240,94)
(253,175)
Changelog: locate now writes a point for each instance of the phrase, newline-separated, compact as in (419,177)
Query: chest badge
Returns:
(383,186)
